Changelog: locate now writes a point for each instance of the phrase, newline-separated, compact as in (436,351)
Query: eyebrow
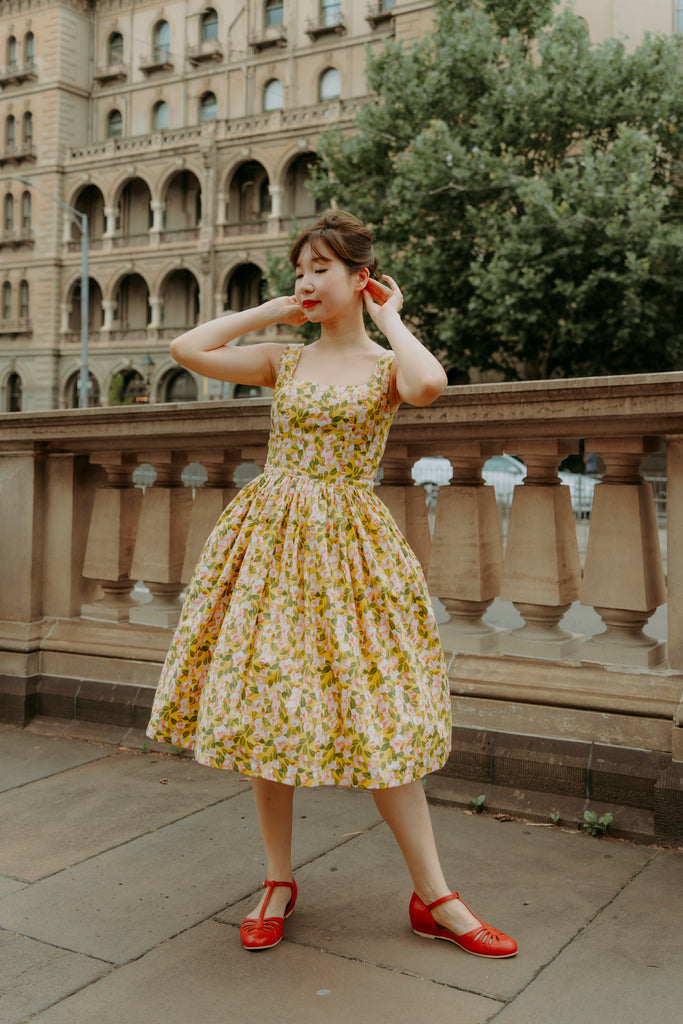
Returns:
(315,259)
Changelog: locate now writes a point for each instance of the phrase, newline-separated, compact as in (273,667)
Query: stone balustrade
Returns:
(78,534)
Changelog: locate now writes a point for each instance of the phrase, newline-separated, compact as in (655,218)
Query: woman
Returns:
(307,652)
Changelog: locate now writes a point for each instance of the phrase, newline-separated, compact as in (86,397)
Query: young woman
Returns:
(307,651)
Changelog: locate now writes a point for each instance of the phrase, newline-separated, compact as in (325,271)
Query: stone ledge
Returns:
(534,776)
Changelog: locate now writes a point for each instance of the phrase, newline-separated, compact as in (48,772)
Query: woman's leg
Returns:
(406,812)
(274,803)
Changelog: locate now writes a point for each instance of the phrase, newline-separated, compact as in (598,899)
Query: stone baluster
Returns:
(209,501)
(467,554)
(542,572)
(623,576)
(674,559)
(161,540)
(405,501)
(111,538)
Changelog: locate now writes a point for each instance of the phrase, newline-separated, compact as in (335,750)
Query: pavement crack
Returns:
(584,927)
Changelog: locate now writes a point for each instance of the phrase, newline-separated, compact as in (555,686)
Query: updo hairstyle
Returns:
(344,236)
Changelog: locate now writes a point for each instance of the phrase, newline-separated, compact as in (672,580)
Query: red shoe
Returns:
(265,932)
(483,941)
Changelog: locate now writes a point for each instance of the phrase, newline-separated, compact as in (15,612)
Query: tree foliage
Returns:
(524,185)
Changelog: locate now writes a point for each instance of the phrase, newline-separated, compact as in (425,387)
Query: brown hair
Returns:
(344,236)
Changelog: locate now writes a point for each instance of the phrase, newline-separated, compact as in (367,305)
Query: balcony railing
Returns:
(17,152)
(16,74)
(13,238)
(78,535)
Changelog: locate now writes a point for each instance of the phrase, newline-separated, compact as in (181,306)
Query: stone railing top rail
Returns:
(574,408)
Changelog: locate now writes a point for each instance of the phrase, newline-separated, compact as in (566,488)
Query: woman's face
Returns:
(325,288)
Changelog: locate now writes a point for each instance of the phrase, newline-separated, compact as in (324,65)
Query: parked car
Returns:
(504,472)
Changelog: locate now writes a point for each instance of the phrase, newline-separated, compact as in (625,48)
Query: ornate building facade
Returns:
(185,133)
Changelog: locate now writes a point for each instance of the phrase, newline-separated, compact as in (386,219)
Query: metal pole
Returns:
(84,387)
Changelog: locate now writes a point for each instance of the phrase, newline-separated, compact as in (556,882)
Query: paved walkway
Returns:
(124,876)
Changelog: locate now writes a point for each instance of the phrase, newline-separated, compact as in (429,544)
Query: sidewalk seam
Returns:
(581,930)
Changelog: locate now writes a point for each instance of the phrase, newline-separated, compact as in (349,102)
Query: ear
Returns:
(362,277)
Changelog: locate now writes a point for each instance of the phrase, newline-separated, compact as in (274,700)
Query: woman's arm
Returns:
(420,378)
(206,349)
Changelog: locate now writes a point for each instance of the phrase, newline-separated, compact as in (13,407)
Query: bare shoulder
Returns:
(394,396)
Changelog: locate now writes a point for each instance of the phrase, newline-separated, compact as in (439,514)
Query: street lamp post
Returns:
(81,221)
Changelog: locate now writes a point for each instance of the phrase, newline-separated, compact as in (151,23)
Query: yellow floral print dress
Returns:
(307,651)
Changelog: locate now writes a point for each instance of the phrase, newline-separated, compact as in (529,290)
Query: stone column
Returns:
(158,207)
(155,306)
(405,501)
(275,209)
(542,572)
(623,576)
(111,538)
(209,501)
(674,558)
(110,215)
(161,539)
(220,210)
(466,562)
(108,315)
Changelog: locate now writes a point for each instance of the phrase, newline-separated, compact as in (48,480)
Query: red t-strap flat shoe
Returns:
(265,932)
(481,941)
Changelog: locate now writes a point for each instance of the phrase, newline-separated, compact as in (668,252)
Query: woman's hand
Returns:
(286,310)
(380,299)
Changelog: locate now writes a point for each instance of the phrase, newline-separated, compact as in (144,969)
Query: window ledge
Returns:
(315,29)
(210,50)
(110,73)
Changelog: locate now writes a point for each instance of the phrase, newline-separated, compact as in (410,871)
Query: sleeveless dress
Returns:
(307,650)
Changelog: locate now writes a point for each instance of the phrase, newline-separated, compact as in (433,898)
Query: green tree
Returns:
(524,185)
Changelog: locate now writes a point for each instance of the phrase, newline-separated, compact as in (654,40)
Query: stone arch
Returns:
(89,199)
(247,198)
(179,293)
(73,305)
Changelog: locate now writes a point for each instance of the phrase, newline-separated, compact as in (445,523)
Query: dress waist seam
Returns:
(302,475)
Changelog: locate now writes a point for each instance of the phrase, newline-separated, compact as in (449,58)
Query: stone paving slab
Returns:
(34,975)
(76,814)
(119,904)
(204,975)
(627,966)
(24,759)
(541,890)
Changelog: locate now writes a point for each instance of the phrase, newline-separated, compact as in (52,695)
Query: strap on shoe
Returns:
(444,899)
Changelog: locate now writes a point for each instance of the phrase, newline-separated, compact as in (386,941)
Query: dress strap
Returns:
(287,364)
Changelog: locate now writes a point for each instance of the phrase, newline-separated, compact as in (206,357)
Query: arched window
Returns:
(208,110)
(329,87)
(26,210)
(28,126)
(29,47)
(162,41)
(9,212)
(209,25)
(273,95)
(274,12)
(181,387)
(160,117)
(11,51)
(6,300)
(23,300)
(10,130)
(114,124)
(14,393)
(115,48)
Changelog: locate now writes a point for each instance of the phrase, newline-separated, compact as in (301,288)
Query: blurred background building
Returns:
(186,134)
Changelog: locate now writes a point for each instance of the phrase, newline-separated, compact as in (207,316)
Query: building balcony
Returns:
(17,74)
(17,153)
(14,238)
(270,36)
(332,24)
(162,60)
(379,12)
(109,74)
(210,50)
(544,712)
(22,325)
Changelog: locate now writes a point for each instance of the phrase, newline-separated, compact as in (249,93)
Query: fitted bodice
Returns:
(329,432)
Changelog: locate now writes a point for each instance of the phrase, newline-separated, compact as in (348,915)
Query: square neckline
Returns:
(316,384)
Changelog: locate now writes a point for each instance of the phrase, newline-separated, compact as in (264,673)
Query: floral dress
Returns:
(307,650)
